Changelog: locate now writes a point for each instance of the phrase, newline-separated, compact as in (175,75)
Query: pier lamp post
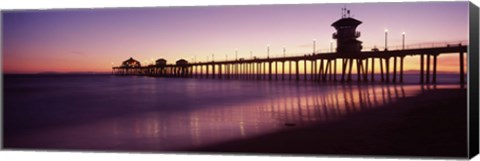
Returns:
(403,40)
(268,51)
(386,35)
(314,45)
(284,51)
(213,57)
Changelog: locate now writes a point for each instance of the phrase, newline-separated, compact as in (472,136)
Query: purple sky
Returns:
(91,39)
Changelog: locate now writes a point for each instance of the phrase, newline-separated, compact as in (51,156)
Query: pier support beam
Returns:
(394,69)
(305,69)
(312,70)
(264,66)
(434,69)
(428,69)
(276,70)
(258,70)
(365,71)
(373,70)
(290,70)
(269,70)
(213,71)
(320,71)
(297,75)
(350,70)
(401,69)
(334,69)
(325,73)
(462,70)
(330,70)
(359,75)
(421,68)
(220,71)
(387,70)
(283,70)
(381,70)
(344,67)
(201,71)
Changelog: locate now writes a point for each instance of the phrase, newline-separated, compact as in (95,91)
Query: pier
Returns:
(317,66)
(321,67)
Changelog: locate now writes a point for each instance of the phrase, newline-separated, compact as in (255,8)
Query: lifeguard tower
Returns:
(346,34)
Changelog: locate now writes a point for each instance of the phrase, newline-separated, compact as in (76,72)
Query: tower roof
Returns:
(131,60)
(346,22)
(161,59)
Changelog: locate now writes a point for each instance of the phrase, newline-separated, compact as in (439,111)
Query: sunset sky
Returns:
(81,40)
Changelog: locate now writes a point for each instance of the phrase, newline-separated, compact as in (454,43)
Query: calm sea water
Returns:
(104,112)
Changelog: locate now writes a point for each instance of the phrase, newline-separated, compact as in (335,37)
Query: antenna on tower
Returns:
(342,13)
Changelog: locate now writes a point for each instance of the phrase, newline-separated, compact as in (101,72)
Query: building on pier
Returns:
(161,62)
(346,34)
(181,68)
(131,63)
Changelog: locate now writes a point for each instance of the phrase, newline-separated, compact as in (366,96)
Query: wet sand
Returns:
(433,123)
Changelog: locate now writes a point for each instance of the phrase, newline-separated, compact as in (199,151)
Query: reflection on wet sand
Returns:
(298,105)
(176,130)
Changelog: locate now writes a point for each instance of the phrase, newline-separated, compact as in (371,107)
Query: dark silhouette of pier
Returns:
(322,66)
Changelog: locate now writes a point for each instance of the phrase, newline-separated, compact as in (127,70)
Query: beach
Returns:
(432,124)
(144,114)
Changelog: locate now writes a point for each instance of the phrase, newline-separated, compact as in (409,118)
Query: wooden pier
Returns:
(322,67)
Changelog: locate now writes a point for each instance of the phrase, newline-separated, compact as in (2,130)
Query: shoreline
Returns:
(430,124)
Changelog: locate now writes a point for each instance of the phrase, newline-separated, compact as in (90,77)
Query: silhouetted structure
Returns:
(128,67)
(323,66)
(161,62)
(131,63)
(160,69)
(346,34)
(181,68)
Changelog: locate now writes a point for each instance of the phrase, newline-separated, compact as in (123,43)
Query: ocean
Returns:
(136,113)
